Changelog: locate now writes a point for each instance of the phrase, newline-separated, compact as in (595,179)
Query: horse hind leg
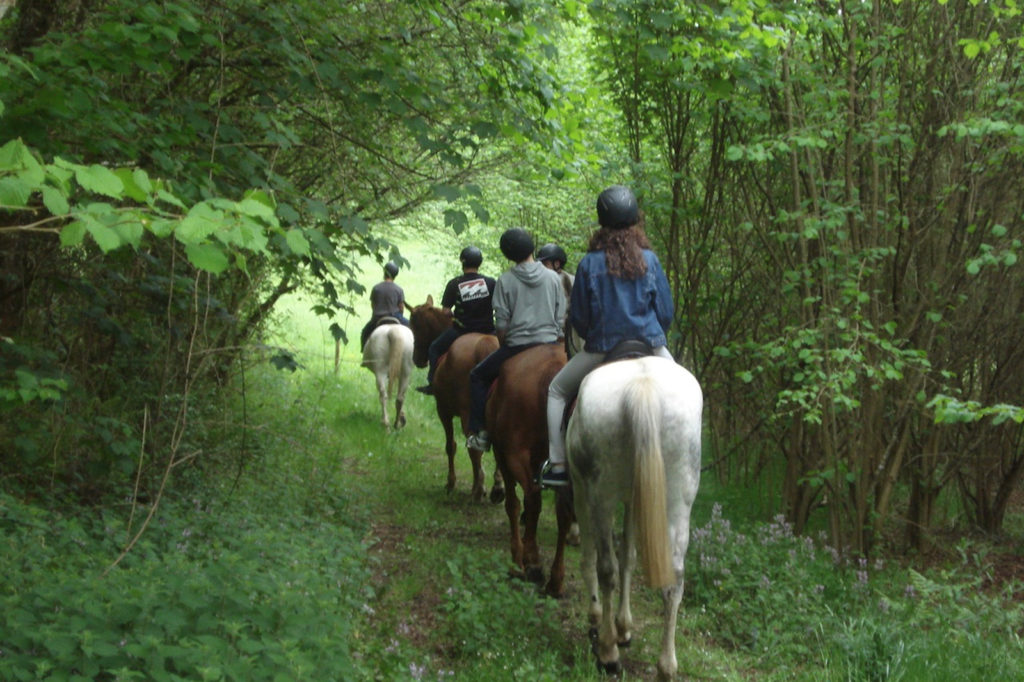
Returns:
(382,393)
(497,487)
(607,645)
(449,449)
(627,561)
(671,596)
(399,414)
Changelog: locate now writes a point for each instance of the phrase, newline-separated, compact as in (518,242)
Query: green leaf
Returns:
(14,192)
(261,196)
(106,238)
(201,222)
(99,179)
(166,196)
(250,235)
(131,187)
(256,209)
(355,224)
(55,201)
(160,227)
(207,257)
(446,192)
(11,155)
(72,234)
(456,220)
(297,242)
(130,232)
(142,180)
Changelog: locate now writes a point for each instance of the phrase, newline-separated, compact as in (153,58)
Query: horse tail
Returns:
(649,506)
(395,351)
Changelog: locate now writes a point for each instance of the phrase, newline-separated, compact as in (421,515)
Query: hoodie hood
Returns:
(529,273)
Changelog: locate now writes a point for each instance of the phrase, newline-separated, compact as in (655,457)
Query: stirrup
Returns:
(478,441)
(553,479)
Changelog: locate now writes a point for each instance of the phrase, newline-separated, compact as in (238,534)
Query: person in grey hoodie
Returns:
(528,309)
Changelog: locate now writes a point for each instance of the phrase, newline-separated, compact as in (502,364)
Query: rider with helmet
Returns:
(553,257)
(620,294)
(528,309)
(468,299)
(386,300)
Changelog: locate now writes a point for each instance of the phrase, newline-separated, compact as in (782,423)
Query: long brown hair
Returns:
(623,250)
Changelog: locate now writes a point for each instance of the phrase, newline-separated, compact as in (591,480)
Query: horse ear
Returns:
(430,300)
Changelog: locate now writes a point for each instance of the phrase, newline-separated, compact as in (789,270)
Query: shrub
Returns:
(792,600)
(234,594)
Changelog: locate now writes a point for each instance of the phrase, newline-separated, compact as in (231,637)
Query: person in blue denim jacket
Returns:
(620,293)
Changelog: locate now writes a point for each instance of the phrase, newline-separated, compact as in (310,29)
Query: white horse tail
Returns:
(649,506)
(395,352)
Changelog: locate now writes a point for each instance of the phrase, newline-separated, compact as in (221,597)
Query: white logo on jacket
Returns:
(473,289)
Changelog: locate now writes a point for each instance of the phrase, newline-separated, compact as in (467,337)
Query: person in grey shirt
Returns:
(386,300)
(528,310)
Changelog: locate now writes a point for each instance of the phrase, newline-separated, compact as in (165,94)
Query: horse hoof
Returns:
(625,643)
(612,668)
(592,636)
(497,495)
(554,591)
(535,574)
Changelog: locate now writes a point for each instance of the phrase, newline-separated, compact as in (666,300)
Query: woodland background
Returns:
(834,188)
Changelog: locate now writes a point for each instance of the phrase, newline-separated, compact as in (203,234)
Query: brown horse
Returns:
(517,424)
(451,385)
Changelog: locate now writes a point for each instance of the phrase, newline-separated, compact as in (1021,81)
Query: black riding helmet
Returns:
(516,244)
(617,208)
(391,270)
(552,251)
(471,257)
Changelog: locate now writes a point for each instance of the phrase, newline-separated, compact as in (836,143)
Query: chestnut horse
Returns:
(451,385)
(517,424)
(634,440)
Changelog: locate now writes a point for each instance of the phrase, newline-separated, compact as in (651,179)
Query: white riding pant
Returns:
(564,386)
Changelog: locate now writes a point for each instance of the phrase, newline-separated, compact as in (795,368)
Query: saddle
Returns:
(387,319)
(630,349)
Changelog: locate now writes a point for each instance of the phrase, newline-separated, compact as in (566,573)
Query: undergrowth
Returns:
(273,567)
(239,590)
(789,600)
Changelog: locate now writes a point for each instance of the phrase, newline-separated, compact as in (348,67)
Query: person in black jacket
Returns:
(467,298)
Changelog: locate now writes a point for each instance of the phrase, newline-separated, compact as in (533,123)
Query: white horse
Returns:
(635,439)
(388,354)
